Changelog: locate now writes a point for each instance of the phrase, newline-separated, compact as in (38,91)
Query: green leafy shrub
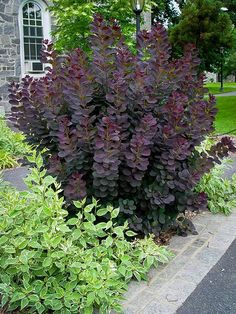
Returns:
(12,146)
(50,264)
(221,192)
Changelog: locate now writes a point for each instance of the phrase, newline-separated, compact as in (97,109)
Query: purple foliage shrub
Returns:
(122,127)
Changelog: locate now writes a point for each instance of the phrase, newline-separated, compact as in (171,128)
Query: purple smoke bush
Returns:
(123,127)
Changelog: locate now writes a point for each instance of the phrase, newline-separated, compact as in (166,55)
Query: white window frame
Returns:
(46,23)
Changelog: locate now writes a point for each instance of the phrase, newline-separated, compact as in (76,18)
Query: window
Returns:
(34,27)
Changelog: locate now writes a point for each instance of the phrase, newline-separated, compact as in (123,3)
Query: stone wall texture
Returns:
(10,68)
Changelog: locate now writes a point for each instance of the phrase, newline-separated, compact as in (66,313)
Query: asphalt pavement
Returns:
(216,293)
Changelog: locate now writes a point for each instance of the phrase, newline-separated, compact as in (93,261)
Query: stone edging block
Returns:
(169,286)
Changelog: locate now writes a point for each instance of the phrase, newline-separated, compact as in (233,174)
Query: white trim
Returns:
(46,22)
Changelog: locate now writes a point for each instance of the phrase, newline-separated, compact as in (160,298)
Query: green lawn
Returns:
(226,116)
(214,88)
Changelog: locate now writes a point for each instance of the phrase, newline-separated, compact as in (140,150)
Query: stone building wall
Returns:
(10,68)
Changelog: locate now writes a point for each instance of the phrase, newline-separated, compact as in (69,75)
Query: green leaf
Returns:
(108,241)
(56,241)
(72,221)
(3,239)
(24,302)
(130,233)
(101,225)
(63,228)
(33,298)
(4,300)
(17,296)
(76,234)
(34,244)
(5,279)
(115,213)
(102,212)
(48,180)
(47,262)
(88,208)
(119,231)
(90,298)
(109,225)
(122,270)
(23,244)
(10,249)
(56,305)
(80,204)
(39,307)
(137,276)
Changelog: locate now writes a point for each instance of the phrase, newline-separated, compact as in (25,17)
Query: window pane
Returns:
(32,22)
(25,22)
(26,46)
(33,51)
(26,31)
(39,47)
(31,10)
(25,11)
(39,23)
(39,32)
(38,13)
(32,31)
(39,40)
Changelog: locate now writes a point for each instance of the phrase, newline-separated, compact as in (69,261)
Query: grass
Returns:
(214,88)
(226,116)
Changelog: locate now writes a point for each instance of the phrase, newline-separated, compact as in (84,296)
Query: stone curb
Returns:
(170,285)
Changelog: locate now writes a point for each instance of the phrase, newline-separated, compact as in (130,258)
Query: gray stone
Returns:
(158,307)
(2,7)
(190,251)
(141,300)
(8,29)
(199,242)
(16,177)
(209,255)
(177,290)
(135,287)
(6,17)
(178,243)
(129,310)
(193,272)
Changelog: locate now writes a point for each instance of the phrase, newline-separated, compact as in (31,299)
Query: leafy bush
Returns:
(50,264)
(12,146)
(221,192)
(122,127)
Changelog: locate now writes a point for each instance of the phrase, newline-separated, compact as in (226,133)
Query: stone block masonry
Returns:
(170,285)
(9,48)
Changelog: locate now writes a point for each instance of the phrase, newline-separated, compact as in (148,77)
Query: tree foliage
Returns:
(164,11)
(203,23)
(231,6)
(73,18)
(230,59)
(121,126)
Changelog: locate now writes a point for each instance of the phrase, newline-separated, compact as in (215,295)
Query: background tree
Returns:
(73,18)
(164,11)
(230,60)
(203,23)
(231,6)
